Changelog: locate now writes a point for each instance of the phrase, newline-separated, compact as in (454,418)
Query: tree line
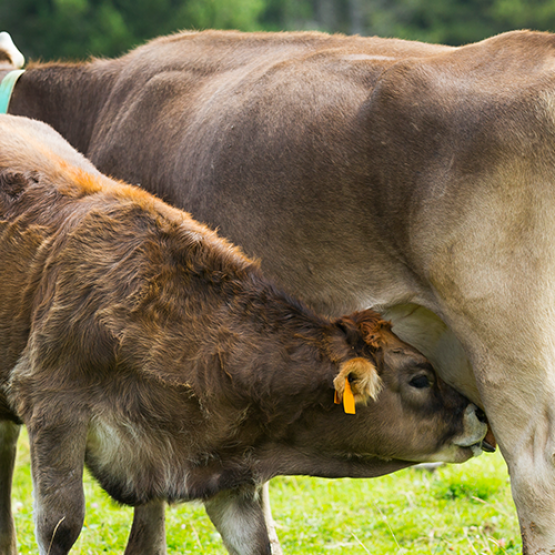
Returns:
(78,29)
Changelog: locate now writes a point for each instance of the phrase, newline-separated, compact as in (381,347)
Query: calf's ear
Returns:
(363,378)
(367,325)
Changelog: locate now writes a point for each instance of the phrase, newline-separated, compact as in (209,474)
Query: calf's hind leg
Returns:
(148,534)
(9,432)
(238,514)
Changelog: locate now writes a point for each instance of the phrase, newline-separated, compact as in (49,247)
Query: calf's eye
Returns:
(420,382)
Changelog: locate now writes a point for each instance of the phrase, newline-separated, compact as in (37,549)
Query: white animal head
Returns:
(6,44)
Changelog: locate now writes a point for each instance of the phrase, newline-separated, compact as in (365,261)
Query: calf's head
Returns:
(404,411)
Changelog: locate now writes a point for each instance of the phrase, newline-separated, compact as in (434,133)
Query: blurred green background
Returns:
(77,29)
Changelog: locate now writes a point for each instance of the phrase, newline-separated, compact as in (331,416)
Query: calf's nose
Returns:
(474,427)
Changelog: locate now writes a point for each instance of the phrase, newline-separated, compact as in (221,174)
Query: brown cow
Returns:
(136,341)
(414,179)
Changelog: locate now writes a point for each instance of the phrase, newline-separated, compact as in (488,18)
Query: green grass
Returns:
(459,509)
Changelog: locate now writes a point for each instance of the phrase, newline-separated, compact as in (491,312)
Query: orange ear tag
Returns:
(348,398)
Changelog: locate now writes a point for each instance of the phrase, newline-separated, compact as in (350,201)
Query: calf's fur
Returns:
(136,341)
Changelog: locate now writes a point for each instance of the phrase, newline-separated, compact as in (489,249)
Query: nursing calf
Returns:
(136,341)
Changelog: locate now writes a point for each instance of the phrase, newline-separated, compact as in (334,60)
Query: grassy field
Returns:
(461,509)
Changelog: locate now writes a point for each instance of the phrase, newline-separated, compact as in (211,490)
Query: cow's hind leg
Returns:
(9,432)
(148,533)
(238,515)
(57,447)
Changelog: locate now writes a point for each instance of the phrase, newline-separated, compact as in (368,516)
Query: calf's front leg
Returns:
(9,432)
(238,514)
(57,446)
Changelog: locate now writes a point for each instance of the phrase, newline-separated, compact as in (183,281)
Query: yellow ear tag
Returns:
(348,398)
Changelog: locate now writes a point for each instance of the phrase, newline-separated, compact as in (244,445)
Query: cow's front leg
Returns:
(57,446)
(148,533)
(525,429)
(238,515)
(9,432)
(522,415)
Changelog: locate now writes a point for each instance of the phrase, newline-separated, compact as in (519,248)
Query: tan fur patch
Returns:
(363,377)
